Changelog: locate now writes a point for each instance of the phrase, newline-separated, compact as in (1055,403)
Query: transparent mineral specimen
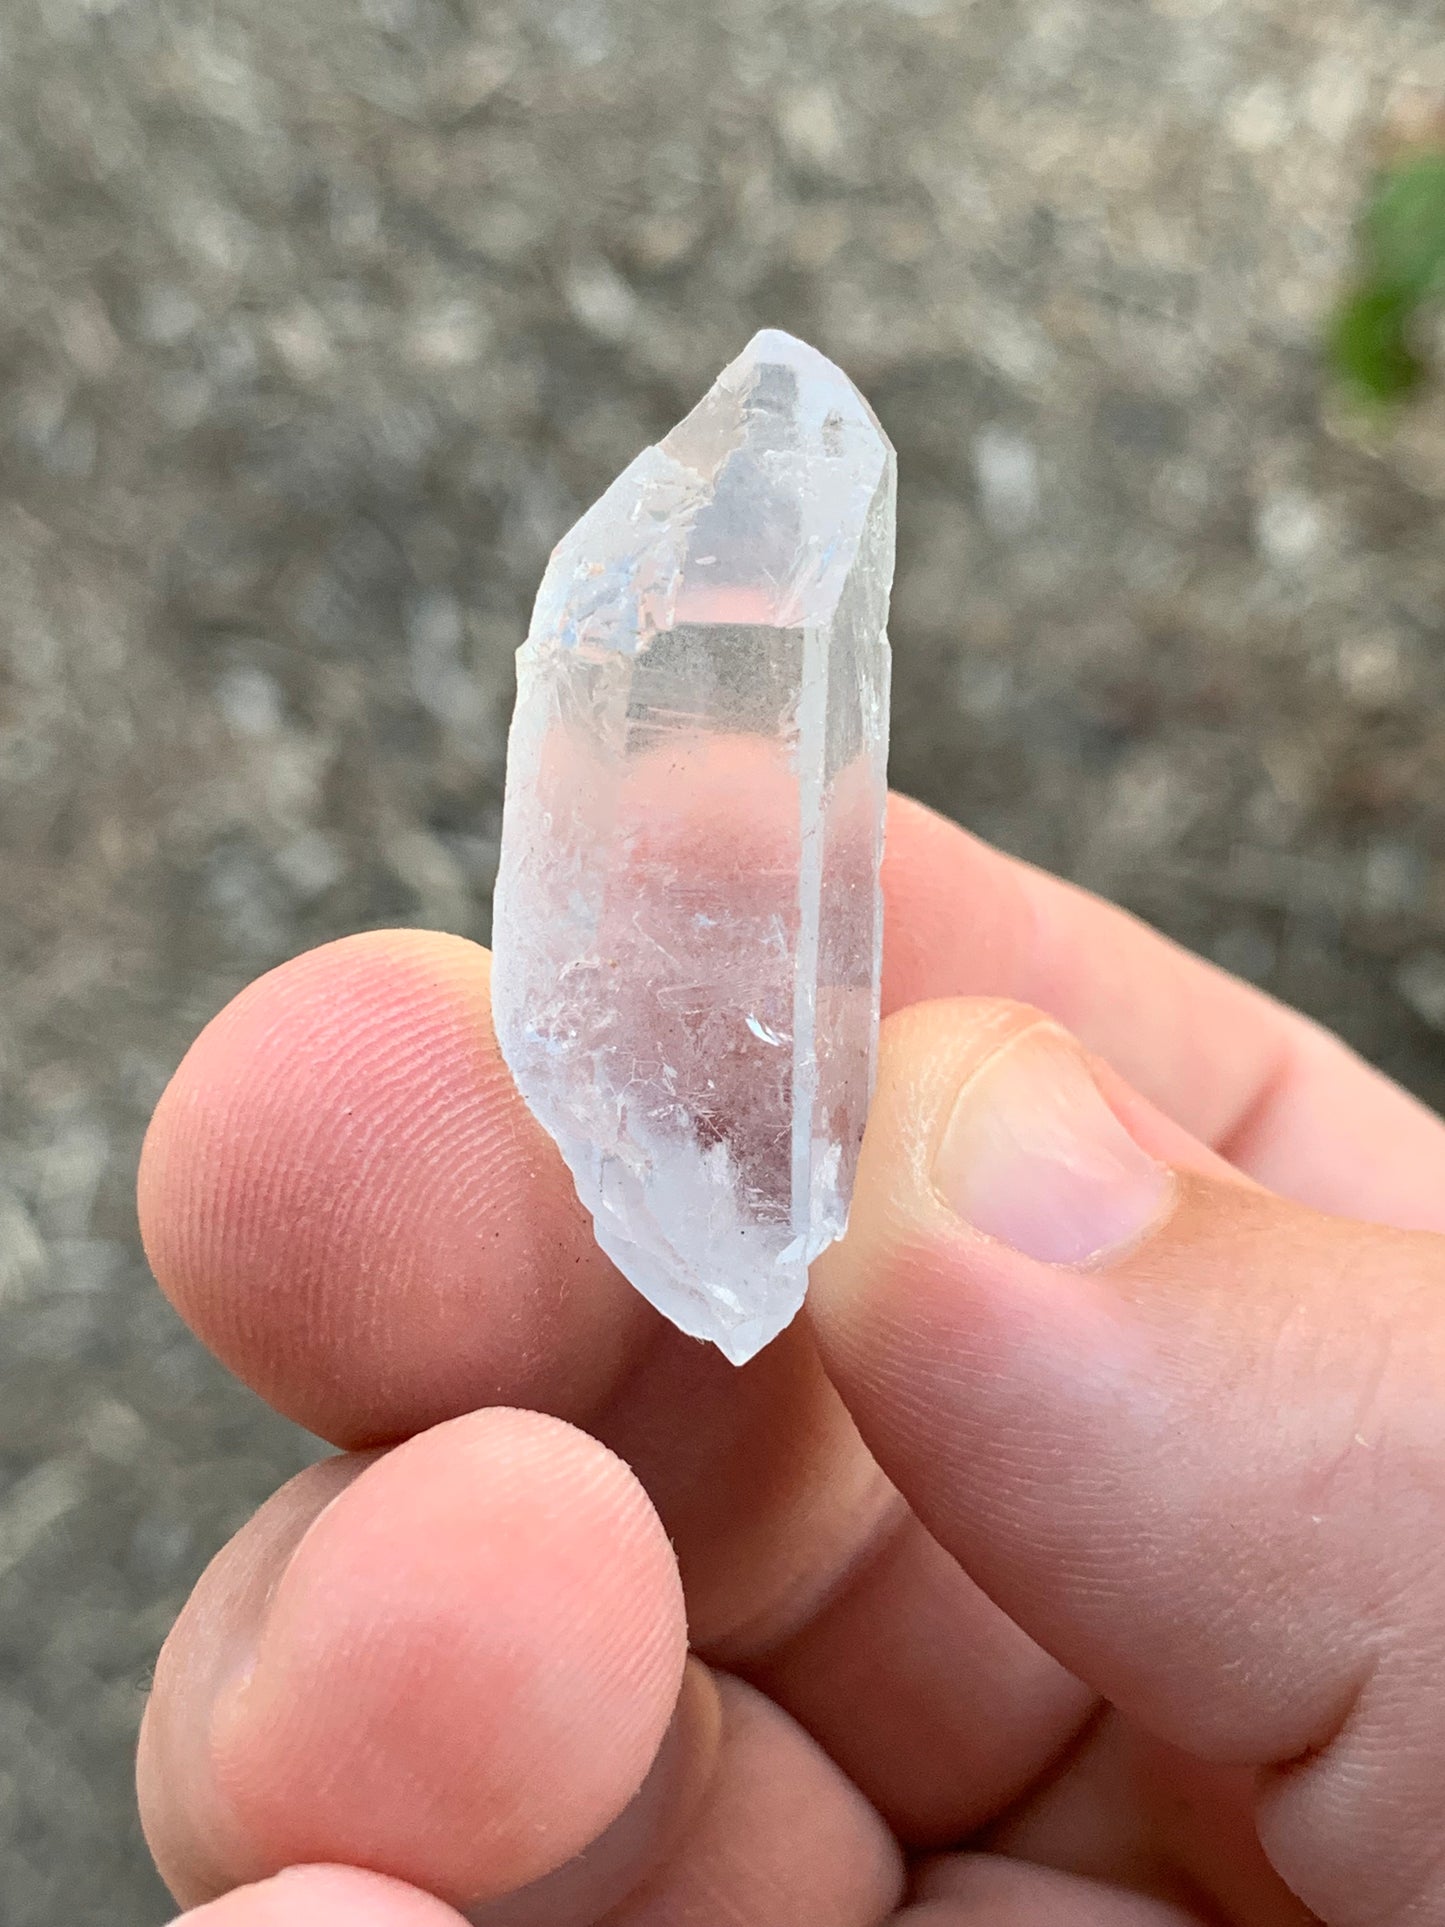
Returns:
(688,921)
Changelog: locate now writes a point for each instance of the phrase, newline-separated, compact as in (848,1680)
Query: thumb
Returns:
(1191,1437)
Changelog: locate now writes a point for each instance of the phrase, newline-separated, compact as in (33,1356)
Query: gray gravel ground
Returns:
(320,319)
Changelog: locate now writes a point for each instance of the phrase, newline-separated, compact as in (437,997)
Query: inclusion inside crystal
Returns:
(688,923)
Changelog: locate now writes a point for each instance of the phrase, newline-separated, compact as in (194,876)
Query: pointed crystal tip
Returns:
(688,921)
(776,348)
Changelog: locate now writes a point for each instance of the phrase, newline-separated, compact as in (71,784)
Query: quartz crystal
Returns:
(688,919)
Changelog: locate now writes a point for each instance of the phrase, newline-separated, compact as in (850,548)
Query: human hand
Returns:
(1089,1522)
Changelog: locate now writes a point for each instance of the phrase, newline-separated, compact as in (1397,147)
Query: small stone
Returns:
(688,921)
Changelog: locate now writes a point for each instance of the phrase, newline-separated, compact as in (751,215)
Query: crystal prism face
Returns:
(688,923)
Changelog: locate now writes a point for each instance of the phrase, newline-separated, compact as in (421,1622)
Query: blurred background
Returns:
(322,319)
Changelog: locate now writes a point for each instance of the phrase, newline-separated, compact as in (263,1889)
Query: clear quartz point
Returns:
(688,920)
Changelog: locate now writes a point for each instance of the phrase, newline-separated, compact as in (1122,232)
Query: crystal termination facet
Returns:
(688,922)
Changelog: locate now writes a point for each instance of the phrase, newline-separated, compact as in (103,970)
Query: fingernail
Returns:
(1033,1156)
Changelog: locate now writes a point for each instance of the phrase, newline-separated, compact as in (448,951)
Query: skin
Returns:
(1018,1583)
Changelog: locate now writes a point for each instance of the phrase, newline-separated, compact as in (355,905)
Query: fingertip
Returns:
(487,1629)
(323,1897)
(344,1196)
(454,1664)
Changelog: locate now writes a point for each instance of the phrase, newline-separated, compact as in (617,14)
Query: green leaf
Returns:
(1404,229)
(1371,344)
(1401,270)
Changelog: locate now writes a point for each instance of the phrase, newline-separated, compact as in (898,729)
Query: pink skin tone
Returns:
(1089,1516)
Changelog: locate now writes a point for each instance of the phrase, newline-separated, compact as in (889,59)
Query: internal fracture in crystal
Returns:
(688,923)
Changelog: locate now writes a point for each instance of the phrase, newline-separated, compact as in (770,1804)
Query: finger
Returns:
(453,1665)
(928,1696)
(324,1897)
(1133,1813)
(806,1573)
(781,1839)
(442,1664)
(1280,1097)
(987,1890)
(1185,1433)
(776,1837)
(344,1195)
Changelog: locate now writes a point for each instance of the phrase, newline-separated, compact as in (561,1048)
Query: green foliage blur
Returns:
(1375,338)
